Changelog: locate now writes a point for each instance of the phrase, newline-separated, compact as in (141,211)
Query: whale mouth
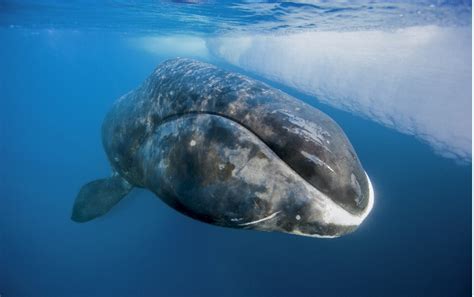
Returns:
(300,207)
(343,218)
(302,165)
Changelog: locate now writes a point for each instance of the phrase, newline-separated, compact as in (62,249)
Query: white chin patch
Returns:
(370,203)
(336,215)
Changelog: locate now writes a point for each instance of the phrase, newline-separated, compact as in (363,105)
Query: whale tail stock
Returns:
(97,197)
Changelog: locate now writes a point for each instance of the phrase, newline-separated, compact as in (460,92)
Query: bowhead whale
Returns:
(230,151)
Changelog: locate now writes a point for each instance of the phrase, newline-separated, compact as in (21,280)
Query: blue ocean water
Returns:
(63,65)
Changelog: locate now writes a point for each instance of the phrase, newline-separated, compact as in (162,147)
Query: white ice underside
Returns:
(415,79)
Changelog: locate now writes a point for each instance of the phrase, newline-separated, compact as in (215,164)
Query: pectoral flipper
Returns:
(97,197)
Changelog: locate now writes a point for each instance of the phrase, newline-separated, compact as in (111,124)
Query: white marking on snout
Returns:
(329,212)
(192,142)
(309,130)
(370,203)
(261,220)
(316,160)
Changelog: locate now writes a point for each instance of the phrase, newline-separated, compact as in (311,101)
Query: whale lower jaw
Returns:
(336,215)
(244,184)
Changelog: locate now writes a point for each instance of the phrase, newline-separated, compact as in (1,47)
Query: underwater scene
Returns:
(218,148)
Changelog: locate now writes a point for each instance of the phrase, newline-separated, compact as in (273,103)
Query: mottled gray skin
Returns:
(231,151)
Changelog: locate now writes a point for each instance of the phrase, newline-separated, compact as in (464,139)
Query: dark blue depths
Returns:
(56,87)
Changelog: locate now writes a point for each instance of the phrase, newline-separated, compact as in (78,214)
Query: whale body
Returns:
(231,151)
